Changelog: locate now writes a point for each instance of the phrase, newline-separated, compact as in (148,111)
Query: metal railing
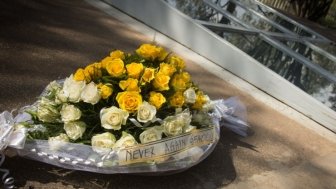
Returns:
(270,38)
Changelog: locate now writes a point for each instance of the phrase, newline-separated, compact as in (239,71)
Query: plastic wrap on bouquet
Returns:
(231,113)
(170,154)
(167,155)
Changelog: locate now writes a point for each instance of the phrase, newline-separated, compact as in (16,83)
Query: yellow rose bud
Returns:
(105,90)
(151,52)
(185,76)
(156,99)
(93,70)
(129,100)
(181,81)
(167,69)
(117,54)
(177,100)
(89,70)
(115,67)
(129,85)
(200,100)
(80,76)
(161,82)
(177,62)
(134,69)
(147,76)
(97,65)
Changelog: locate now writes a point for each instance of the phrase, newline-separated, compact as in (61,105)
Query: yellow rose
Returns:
(177,100)
(129,100)
(134,69)
(200,100)
(117,54)
(80,76)
(105,90)
(156,99)
(177,62)
(89,70)
(129,85)
(93,70)
(115,67)
(151,52)
(97,65)
(167,69)
(181,81)
(147,76)
(163,54)
(161,82)
(105,61)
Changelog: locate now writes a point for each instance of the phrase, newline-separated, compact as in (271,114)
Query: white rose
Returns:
(57,141)
(113,118)
(70,113)
(126,140)
(52,89)
(61,97)
(47,111)
(190,95)
(208,105)
(103,142)
(151,134)
(146,112)
(75,129)
(202,118)
(174,125)
(72,89)
(90,93)
(53,86)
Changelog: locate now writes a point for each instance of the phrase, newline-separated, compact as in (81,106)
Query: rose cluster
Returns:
(123,100)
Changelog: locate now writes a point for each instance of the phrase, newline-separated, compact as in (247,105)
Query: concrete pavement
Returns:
(42,40)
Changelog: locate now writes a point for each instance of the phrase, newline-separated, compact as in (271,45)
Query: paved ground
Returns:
(44,40)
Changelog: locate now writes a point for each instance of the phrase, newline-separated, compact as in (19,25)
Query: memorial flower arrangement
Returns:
(127,113)
(121,101)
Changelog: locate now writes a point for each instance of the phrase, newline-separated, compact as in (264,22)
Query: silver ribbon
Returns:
(8,135)
(7,180)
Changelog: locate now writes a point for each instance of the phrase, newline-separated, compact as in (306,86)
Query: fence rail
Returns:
(280,4)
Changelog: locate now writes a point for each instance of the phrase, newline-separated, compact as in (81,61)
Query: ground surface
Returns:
(42,40)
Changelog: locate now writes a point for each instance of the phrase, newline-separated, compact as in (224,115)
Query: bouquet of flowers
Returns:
(128,113)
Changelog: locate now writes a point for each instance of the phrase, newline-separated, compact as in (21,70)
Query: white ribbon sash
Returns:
(166,147)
